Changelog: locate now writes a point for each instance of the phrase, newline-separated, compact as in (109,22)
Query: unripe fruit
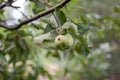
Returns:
(59,30)
(64,41)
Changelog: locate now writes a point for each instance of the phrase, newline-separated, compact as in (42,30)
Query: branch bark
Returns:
(2,5)
(7,3)
(41,14)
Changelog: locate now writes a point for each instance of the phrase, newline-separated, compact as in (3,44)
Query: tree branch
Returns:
(41,14)
(7,3)
(49,6)
(3,4)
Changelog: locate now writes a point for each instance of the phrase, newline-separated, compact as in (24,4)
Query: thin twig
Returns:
(37,16)
(26,18)
(2,5)
(7,3)
(49,6)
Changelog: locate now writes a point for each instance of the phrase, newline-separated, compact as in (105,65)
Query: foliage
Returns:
(29,52)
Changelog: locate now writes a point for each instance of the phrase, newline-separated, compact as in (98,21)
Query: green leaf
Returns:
(1,36)
(84,19)
(48,28)
(117,22)
(84,47)
(1,1)
(35,11)
(3,60)
(78,47)
(22,44)
(24,33)
(84,28)
(11,36)
(70,27)
(38,7)
(100,34)
(60,16)
(117,8)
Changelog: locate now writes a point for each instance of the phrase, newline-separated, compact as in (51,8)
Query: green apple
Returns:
(64,41)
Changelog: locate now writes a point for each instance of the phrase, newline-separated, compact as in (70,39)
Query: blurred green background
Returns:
(31,54)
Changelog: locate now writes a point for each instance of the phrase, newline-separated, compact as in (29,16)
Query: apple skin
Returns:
(64,41)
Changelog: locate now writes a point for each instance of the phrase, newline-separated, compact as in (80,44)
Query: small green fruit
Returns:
(64,41)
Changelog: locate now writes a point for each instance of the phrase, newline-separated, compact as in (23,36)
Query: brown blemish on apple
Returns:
(58,39)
